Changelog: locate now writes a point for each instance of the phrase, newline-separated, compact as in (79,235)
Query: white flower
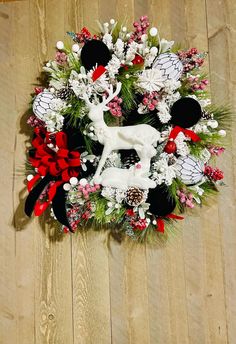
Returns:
(165,45)
(150,57)
(131,52)
(109,193)
(120,195)
(162,172)
(57,104)
(119,49)
(163,112)
(107,39)
(171,98)
(113,66)
(171,85)
(151,80)
(142,109)
(182,147)
(53,121)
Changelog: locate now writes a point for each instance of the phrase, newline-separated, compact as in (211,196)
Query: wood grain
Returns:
(87,288)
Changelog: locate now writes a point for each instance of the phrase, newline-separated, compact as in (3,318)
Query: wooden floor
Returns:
(83,289)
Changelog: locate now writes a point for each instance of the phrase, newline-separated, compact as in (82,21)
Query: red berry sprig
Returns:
(213,173)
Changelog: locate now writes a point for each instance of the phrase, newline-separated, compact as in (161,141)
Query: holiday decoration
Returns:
(170,66)
(123,133)
(189,170)
(42,104)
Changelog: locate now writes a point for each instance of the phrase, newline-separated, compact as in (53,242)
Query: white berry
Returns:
(73,181)
(60,45)
(144,37)
(110,204)
(124,28)
(112,21)
(213,124)
(30,177)
(75,48)
(153,31)
(83,182)
(222,133)
(153,50)
(66,187)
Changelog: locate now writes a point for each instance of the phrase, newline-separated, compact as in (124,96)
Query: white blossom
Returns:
(165,45)
(131,52)
(162,172)
(182,147)
(163,112)
(119,49)
(109,193)
(171,98)
(150,80)
(57,104)
(107,39)
(171,85)
(113,66)
(53,121)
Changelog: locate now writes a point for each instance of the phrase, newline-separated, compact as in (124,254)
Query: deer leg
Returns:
(105,153)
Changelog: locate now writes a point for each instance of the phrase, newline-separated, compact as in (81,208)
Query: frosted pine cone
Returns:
(65,93)
(134,196)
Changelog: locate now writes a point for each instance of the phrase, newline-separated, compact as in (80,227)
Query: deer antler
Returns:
(85,97)
(111,94)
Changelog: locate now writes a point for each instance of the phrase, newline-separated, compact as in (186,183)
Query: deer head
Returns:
(96,110)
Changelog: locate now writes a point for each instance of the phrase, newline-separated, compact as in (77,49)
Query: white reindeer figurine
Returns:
(115,138)
(136,175)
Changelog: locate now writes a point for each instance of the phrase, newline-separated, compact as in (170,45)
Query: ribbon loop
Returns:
(59,163)
(187,132)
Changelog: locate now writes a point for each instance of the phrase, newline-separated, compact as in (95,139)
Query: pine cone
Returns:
(206,115)
(130,160)
(134,196)
(65,93)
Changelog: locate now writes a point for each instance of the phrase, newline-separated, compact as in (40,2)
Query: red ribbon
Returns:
(176,130)
(59,163)
(161,223)
(98,72)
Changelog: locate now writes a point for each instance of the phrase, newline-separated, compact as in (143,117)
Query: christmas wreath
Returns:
(124,132)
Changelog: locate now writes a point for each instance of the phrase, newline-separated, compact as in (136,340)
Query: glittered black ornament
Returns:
(185,112)
(95,52)
(161,201)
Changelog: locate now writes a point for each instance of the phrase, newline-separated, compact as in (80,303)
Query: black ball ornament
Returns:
(161,202)
(186,112)
(95,52)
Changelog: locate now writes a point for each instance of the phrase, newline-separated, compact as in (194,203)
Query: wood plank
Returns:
(202,252)
(91,294)
(25,250)
(8,322)
(53,289)
(221,33)
(136,296)
(166,268)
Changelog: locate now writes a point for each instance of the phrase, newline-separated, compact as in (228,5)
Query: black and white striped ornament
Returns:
(189,170)
(170,66)
(42,103)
